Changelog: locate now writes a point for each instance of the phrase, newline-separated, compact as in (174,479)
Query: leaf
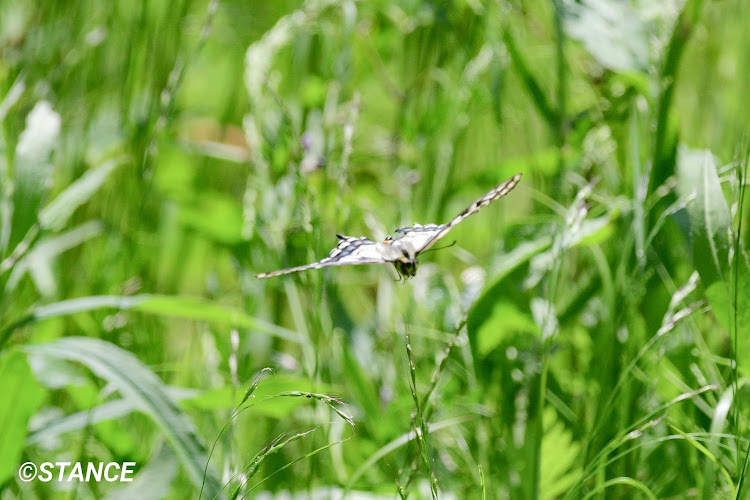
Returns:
(541,253)
(578,231)
(708,212)
(505,318)
(485,307)
(199,309)
(152,482)
(23,395)
(32,167)
(559,454)
(217,217)
(720,299)
(57,213)
(104,412)
(40,259)
(146,391)
(530,81)
(164,305)
(50,431)
(614,33)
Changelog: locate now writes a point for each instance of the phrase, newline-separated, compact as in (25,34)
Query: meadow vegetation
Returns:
(586,336)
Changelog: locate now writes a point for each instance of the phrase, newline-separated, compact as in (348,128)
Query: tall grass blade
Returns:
(139,384)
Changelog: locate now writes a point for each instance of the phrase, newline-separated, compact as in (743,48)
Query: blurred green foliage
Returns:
(585,338)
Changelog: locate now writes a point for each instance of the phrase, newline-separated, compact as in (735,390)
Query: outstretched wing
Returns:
(420,235)
(423,237)
(349,251)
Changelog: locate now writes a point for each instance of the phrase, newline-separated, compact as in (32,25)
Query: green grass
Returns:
(584,338)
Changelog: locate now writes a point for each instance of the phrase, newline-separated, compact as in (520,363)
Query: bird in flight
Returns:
(403,250)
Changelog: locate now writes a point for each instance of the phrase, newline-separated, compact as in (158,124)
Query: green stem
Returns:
(668,77)
(560,134)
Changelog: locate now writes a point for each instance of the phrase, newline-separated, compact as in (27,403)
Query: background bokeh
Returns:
(586,337)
